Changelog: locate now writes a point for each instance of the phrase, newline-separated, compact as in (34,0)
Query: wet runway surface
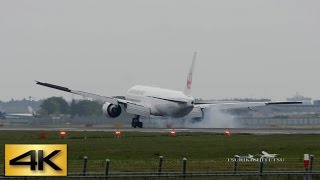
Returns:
(288,130)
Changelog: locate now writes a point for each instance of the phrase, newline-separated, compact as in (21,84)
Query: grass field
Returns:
(135,151)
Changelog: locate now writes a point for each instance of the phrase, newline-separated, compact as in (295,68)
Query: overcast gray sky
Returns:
(247,48)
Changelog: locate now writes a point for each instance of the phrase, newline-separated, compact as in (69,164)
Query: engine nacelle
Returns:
(111,110)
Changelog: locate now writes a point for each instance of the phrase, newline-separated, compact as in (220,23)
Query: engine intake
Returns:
(111,110)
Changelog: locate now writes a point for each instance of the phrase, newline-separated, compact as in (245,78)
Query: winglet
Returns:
(188,86)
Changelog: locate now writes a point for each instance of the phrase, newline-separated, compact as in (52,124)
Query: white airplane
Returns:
(147,101)
(267,155)
(31,113)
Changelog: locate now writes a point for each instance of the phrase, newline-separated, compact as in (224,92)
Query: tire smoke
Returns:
(213,118)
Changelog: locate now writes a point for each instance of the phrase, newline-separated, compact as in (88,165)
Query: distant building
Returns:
(300,98)
(316,102)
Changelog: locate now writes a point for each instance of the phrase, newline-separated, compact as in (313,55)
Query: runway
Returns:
(287,130)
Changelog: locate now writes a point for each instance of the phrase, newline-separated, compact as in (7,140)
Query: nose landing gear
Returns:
(135,122)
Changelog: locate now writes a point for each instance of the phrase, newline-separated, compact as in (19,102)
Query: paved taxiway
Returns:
(288,130)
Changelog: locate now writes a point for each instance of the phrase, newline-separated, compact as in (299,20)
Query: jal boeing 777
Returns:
(153,101)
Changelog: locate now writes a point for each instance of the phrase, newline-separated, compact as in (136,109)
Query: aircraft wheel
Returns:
(140,124)
(133,123)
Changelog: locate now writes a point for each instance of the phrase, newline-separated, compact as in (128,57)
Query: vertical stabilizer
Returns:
(31,111)
(188,86)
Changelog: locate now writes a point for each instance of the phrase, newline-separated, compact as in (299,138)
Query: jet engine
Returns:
(111,110)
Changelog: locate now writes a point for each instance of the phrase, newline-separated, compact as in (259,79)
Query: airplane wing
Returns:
(237,105)
(96,97)
(131,106)
(19,114)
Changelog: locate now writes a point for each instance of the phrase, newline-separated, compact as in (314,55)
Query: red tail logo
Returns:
(189,81)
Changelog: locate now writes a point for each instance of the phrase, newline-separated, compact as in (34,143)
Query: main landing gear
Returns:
(135,122)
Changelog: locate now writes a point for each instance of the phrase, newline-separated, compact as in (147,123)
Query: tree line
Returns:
(58,106)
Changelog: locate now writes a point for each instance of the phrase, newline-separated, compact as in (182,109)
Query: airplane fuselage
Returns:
(162,102)
(16,116)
